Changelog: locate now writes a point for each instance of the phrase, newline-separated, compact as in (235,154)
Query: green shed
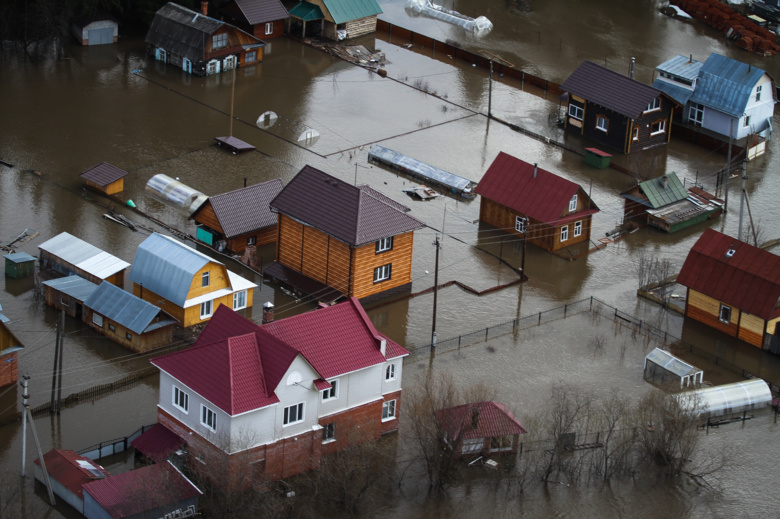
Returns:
(19,265)
(597,158)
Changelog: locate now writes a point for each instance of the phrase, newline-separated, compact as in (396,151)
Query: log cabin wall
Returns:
(289,248)
(208,217)
(707,310)
(157,300)
(366,259)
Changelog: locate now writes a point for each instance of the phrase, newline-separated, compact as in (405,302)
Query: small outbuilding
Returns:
(69,256)
(727,399)
(171,191)
(105,178)
(158,443)
(664,367)
(339,19)
(263,19)
(68,472)
(68,294)
(19,265)
(9,347)
(99,29)
(480,428)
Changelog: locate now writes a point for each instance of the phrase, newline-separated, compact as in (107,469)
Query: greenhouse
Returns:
(662,365)
(174,192)
(729,398)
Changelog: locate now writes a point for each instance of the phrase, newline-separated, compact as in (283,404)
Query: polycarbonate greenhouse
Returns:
(728,398)
(176,193)
(664,366)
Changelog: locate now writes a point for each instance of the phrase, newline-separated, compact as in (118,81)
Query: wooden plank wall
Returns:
(208,217)
(315,254)
(218,279)
(289,249)
(706,310)
(157,300)
(751,329)
(366,260)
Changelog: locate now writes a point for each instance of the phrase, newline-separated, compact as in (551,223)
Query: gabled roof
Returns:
(670,363)
(681,66)
(103,174)
(479,420)
(157,443)
(343,11)
(71,470)
(262,11)
(609,89)
(166,267)
(307,12)
(341,210)
(676,91)
(542,196)
(81,254)
(244,210)
(15,343)
(663,190)
(122,307)
(725,84)
(141,490)
(74,286)
(748,280)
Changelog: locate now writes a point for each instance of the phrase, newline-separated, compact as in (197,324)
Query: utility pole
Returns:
(28,416)
(728,167)
(56,364)
(742,201)
(435,292)
(490,90)
(59,368)
(25,396)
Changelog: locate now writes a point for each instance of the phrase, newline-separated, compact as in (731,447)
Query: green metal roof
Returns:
(344,11)
(664,190)
(306,12)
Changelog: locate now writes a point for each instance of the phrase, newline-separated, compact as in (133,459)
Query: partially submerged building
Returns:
(70,256)
(481,428)
(98,29)
(663,367)
(105,178)
(738,397)
(68,294)
(334,19)
(68,473)
(264,19)
(10,346)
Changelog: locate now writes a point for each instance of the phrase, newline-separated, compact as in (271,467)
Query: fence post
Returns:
(540,318)
(459,336)
(486,332)
(591,303)
(565,307)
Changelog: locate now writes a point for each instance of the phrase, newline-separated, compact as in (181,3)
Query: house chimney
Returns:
(268,312)
(690,60)
(204,8)
(244,181)
(535,168)
(631,69)
(383,346)
(665,180)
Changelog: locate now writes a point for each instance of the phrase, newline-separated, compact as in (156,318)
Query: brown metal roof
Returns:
(479,420)
(386,199)
(262,11)
(609,89)
(103,174)
(341,210)
(245,210)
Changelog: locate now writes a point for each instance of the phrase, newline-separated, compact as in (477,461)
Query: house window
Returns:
(208,417)
(501,443)
(654,105)
(252,240)
(293,414)
(564,233)
(219,41)
(331,392)
(725,314)
(269,28)
(97,319)
(388,410)
(205,309)
(696,115)
(520,223)
(746,123)
(577,228)
(111,327)
(129,336)
(602,123)
(181,400)
(384,244)
(390,372)
(658,127)
(636,134)
(576,112)
(382,273)
(205,279)
(758,93)
(329,433)
(250,57)
(239,300)
(230,62)
(212,67)
(573,203)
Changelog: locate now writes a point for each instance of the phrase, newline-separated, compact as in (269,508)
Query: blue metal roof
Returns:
(19,257)
(166,267)
(681,66)
(677,92)
(122,307)
(725,84)
(75,286)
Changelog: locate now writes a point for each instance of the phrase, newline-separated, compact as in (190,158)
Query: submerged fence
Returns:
(107,448)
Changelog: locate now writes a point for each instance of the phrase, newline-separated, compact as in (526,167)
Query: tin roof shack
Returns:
(734,287)
(105,178)
(529,202)
(666,368)
(616,111)
(127,320)
(98,29)
(158,490)
(262,18)
(664,203)
(237,219)
(19,265)
(484,428)
(68,473)
(738,397)
(339,19)
(185,283)
(336,239)
(198,44)
(69,256)
(68,294)
(9,348)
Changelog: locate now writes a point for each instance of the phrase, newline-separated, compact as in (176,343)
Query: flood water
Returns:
(68,108)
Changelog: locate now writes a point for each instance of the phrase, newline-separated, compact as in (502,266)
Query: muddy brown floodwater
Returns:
(67,108)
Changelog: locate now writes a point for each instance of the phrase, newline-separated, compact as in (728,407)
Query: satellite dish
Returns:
(308,137)
(266,120)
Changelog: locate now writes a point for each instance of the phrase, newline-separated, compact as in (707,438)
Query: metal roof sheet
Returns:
(307,12)
(75,286)
(726,84)
(122,307)
(682,66)
(670,363)
(679,93)
(157,443)
(262,11)
(64,467)
(81,254)
(407,163)
(609,89)
(663,190)
(343,11)
(245,210)
(103,174)
(479,420)
(19,257)
(731,398)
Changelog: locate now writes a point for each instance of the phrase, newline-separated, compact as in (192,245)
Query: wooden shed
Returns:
(106,178)
(9,346)
(68,294)
(69,255)
(19,265)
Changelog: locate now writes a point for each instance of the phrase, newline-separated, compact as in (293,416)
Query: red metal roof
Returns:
(142,490)
(543,196)
(103,174)
(157,443)
(491,419)
(62,465)
(749,279)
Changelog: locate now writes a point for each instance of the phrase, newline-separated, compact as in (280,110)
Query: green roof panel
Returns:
(344,11)
(306,12)
(664,190)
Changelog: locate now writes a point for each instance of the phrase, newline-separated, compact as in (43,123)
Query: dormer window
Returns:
(653,105)
(573,203)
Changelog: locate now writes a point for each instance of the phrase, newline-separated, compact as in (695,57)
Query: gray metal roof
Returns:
(75,286)
(245,210)
(681,66)
(122,307)
(103,174)
(407,163)
(726,84)
(262,11)
(670,363)
(166,267)
(19,257)
(676,91)
(181,31)
(81,254)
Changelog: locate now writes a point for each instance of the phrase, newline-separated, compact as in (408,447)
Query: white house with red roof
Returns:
(261,403)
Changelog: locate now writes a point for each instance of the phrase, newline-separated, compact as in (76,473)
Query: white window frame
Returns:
(239,300)
(208,418)
(252,240)
(219,41)
(382,273)
(179,394)
(758,93)
(206,309)
(212,67)
(727,309)
(577,228)
(384,245)
(388,410)
(746,122)
(329,432)
(269,28)
(573,204)
(636,134)
(390,372)
(97,319)
(205,279)
(576,112)
(521,224)
(653,105)
(661,128)
(564,233)
(300,416)
(332,392)
(696,113)
(602,123)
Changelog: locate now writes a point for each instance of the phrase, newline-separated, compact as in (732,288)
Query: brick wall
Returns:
(353,426)
(391,425)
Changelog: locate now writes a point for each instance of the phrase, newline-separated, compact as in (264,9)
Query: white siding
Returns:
(252,429)
(365,386)
(390,386)
(292,394)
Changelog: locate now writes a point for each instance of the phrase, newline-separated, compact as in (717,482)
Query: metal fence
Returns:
(107,448)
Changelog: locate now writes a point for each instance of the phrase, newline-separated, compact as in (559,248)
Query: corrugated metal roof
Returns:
(727,398)
(384,198)
(307,12)
(64,467)
(142,490)
(122,307)
(670,363)
(609,89)
(343,11)
(544,196)
(19,257)
(245,210)
(748,280)
(75,286)
(157,443)
(166,267)
(103,174)
(262,11)
(81,254)
(479,420)
(408,164)
(342,210)
(726,84)
(679,93)
(663,190)
(682,66)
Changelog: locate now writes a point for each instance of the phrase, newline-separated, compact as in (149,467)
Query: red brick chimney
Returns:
(268,312)
(204,7)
